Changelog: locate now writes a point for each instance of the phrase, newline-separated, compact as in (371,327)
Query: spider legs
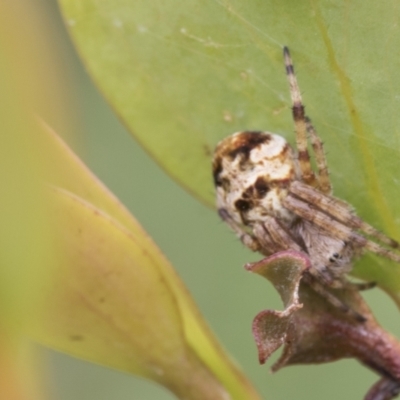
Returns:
(270,235)
(303,126)
(324,184)
(299,118)
(271,229)
(339,210)
(361,286)
(341,231)
(247,239)
(330,298)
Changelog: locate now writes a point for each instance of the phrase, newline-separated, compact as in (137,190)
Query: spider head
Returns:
(252,172)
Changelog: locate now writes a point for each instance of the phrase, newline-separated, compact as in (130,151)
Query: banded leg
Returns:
(268,237)
(320,159)
(299,118)
(361,286)
(247,239)
(273,231)
(340,211)
(330,298)
(335,228)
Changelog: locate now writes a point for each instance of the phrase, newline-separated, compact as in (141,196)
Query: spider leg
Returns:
(268,236)
(269,245)
(339,210)
(280,237)
(299,118)
(284,241)
(346,284)
(335,228)
(322,165)
(247,239)
(332,299)
(361,286)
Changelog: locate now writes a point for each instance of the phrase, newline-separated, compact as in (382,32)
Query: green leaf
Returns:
(111,304)
(116,300)
(182,75)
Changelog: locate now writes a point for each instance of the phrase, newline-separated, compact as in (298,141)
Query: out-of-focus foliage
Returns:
(26,246)
(116,300)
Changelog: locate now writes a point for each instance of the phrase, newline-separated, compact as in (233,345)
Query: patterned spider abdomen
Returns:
(252,172)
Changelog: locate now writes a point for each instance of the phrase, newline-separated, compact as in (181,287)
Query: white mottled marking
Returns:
(268,161)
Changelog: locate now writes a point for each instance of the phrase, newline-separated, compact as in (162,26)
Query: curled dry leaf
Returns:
(313,331)
(270,327)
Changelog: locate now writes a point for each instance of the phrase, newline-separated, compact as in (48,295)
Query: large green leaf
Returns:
(182,75)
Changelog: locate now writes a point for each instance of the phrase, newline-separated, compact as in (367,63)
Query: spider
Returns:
(271,197)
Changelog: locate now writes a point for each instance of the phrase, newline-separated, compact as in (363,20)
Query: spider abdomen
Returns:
(252,173)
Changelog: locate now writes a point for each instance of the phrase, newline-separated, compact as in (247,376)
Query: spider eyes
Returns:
(242,205)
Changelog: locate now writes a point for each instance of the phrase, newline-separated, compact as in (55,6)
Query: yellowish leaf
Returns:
(117,300)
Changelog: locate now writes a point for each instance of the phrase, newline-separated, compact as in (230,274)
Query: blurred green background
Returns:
(206,255)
